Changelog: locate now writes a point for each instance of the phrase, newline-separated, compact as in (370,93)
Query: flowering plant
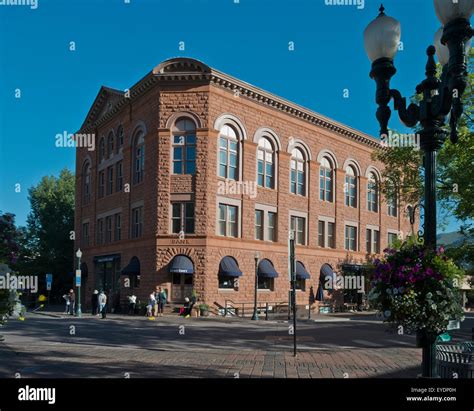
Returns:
(417,288)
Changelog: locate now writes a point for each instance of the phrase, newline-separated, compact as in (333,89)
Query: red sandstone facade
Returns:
(144,118)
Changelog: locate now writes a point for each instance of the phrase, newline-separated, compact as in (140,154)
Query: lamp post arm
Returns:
(410,116)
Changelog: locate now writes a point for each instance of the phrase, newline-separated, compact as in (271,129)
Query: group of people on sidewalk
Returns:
(156,303)
(98,303)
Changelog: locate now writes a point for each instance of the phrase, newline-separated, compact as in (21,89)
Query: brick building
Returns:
(195,171)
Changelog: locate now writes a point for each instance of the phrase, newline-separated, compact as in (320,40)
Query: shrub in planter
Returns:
(203,310)
(417,288)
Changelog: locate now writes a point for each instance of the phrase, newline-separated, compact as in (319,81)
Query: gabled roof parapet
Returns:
(188,69)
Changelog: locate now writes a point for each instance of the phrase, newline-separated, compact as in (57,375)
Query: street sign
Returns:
(49,281)
(78,278)
(453,325)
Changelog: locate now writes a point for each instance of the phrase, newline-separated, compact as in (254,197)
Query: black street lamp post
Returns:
(255,311)
(440,97)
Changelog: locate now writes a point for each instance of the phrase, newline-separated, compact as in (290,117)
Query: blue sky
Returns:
(118,43)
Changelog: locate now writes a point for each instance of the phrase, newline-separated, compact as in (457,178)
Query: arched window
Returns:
(110,145)
(372,193)
(350,187)
(101,149)
(228,153)
(86,183)
(138,157)
(326,180)
(298,175)
(120,138)
(184,146)
(266,163)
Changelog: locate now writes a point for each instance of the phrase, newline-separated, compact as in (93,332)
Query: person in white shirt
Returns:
(132,301)
(102,304)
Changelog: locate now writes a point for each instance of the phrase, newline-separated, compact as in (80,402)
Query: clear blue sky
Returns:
(118,43)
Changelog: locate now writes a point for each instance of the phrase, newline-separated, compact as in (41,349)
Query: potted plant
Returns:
(417,288)
(203,310)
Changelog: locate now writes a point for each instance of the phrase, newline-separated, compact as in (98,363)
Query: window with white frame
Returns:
(373,193)
(139,157)
(110,145)
(184,146)
(120,138)
(298,225)
(137,222)
(298,175)
(265,163)
(350,187)
(351,238)
(228,153)
(392,205)
(228,220)
(372,241)
(325,180)
(182,217)
(86,183)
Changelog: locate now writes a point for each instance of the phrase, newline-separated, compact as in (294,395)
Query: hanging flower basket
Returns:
(417,288)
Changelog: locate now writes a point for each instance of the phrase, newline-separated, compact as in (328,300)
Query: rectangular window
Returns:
(392,238)
(259,225)
(228,225)
(272,226)
(182,219)
(100,231)
(321,233)
(119,176)
(331,235)
(351,238)
(265,283)
(137,222)
(300,284)
(375,242)
(298,226)
(101,184)
(85,234)
(108,229)
(184,154)
(227,282)
(368,240)
(118,227)
(110,180)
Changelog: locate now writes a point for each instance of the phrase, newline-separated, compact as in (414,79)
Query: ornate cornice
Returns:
(180,70)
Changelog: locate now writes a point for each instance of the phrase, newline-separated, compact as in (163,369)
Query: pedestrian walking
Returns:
(151,305)
(72,300)
(95,302)
(68,302)
(132,301)
(161,300)
(102,299)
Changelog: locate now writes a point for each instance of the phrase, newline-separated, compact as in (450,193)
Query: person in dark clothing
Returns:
(95,302)
(72,299)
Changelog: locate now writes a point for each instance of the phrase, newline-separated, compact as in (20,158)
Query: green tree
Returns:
(48,245)
(456,162)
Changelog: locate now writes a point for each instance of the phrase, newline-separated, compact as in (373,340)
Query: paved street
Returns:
(119,346)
